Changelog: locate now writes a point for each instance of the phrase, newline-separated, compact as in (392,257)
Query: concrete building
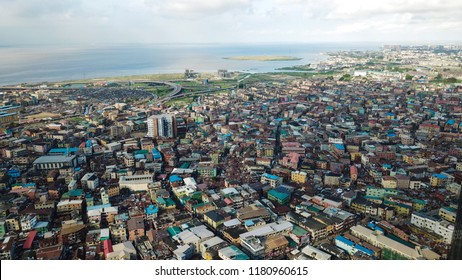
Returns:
(122,251)
(12,223)
(104,196)
(316,254)
(271,229)
(135,227)
(55,162)
(90,180)
(441,180)
(194,236)
(28,222)
(136,182)
(378,239)
(448,213)
(232,253)
(68,205)
(184,252)
(298,177)
(162,126)
(273,180)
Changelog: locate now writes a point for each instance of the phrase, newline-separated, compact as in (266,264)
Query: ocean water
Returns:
(26,64)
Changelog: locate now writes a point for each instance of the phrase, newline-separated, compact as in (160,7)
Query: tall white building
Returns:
(104,196)
(163,126)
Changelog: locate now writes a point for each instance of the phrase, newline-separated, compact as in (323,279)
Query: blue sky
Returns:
(237,21)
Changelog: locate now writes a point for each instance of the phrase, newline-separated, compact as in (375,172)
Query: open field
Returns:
(154,77)
(263,57)
(43,115)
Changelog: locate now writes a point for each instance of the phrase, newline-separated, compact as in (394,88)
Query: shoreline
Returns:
(263,58)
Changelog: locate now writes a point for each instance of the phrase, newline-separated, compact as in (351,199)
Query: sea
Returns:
(36,64)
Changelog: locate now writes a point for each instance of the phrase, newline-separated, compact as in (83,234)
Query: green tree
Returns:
(409,77)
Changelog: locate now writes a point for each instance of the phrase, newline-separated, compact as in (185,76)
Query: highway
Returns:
(175,93)
(176,88)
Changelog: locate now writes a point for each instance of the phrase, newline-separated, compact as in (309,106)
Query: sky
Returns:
(62,22)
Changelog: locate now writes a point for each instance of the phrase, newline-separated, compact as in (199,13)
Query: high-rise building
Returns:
(104,196)
(456,243)
(162,126)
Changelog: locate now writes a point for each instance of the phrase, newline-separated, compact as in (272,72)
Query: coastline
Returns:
(263,58)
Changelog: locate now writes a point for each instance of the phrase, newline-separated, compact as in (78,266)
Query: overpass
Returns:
(176,88)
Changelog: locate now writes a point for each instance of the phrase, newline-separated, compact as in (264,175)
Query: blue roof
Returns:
(339,146)
(156,154)
(270,176)
(344,240)
(89,143)
(373,226)
(139,156)
(151,209)
(249,223)
(75,192)
(450,122)
(278,195)
(364,250)
(63,150)
(390,114)
(440,176)
(175,178)
(98,206)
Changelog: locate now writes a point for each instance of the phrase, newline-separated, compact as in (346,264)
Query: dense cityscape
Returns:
(356,157)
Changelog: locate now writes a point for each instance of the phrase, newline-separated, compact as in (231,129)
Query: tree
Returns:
(409,77)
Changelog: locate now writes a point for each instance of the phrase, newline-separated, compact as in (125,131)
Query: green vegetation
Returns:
(450,80)
(409,77)
(180,101)
(264,57)
(223,83)
(346,77)
(387,254)
(76,119)
(160,91)
(297,68)
(156,77)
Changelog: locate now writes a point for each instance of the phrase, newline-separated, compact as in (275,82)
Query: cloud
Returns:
(152,21)
(366,8)
(197,8)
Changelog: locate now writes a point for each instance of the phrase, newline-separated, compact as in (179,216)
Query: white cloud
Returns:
(196,8)
(115,21)
(366,8)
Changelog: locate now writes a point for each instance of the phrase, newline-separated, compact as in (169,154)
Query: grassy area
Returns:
(264,57)
(160,90)
(184,101)
(223,83)
(76,119)
(297,68)
(446,81)
(156,77)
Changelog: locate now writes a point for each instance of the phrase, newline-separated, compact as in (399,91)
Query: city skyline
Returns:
(235,21)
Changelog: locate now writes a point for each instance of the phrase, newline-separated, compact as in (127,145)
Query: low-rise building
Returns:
(390,247)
